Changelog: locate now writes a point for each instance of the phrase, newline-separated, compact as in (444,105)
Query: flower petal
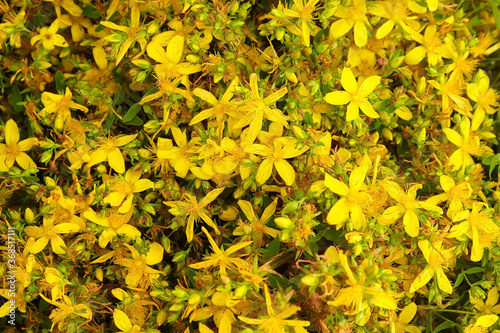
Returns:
(348,80)
(285,170)
(338,97)
(339,213)
(11,132)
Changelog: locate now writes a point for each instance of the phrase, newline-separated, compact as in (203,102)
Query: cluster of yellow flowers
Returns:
(286,166)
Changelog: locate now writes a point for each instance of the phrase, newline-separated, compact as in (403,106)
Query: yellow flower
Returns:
(257,109)
(124,324)
(66,310)
(479,227)
(356,296)
(451,91)
(220,258)
(258,227)
(109,151)
(456,195)
(167,87)
(179,157)
(54,277)
(122,191)
(437,257)
(50,232)
(69,5)
(223,307)
(137,303)
(59,105)
(397,15)
(352,199)
(404,318)
(431,46)
(132,33)
(490,306)
(485,97)
(482,324)
(356,95)
(14,24)
(237,151)
(116,224)
(193,210)
(275,155)
(468,143)
(303,11)
(274,322)
(138,266)
(352,16)
(220,108)
(406,207)
(50,37)
(77,23)
(170,65)
(13,150)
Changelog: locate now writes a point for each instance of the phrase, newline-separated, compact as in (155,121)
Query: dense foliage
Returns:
(211,166)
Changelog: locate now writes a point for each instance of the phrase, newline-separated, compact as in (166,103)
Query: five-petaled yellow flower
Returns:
(353,197)
(258,108)
(115,223)
(356,95)
(191,209)
(60,105)
(276,155)
(50,37)
(456,195)
(277,322)
(13,150)
(468,143)
(138,266)
(437,257)
(479,227)
(122,190)
(109,151)
(65,309)
(361,291)
(220,258)
(352,16)
(406,207)
(50,233)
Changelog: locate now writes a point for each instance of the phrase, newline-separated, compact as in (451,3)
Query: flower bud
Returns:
(161,317)
(51,184)
(99,274)
(283,222)
(310,280)
(29,216)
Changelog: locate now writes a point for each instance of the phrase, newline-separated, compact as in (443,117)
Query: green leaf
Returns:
(272,249)
(16,99)
(474,270)
(91,12)
(447,324)
(135,122)
(276,281)
(132,112)
(60,85)
(496,12)
(492,161)
(459,280)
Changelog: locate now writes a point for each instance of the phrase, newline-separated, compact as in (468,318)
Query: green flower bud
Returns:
(310,280)
(51,184)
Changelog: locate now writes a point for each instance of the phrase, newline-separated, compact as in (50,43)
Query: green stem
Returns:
(456,311)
